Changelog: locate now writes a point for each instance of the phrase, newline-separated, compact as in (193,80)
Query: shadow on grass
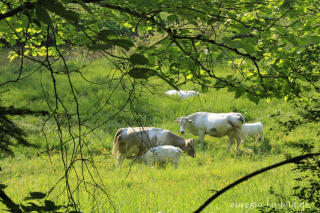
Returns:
(249,147)
(11,135)
(301,144)
(36,202)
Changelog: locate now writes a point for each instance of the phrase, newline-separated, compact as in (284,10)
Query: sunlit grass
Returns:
(138,188)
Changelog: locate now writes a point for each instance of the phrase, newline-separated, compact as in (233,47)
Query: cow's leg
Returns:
(176,163)
(231,139)
(238,139)
(257,138)
(201,137)
(243,138)
(262,137)
(120,159)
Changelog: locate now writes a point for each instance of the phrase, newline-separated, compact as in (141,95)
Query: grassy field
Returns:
(136,187)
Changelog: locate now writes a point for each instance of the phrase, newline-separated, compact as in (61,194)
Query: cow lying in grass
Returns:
(135,141)
(254,130)
(162,154)
(182,93)
(214,124)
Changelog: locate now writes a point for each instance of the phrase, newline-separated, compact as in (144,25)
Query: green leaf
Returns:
(239,92)
(58,8)
(232,14)
(236,43)
(219,84)
(315,39)
(171,18)
(84,6)
(43,15)
(253,98)
(72,17)
(138,59)
(204,89)
(54,6)
(37,22)
(287,4)
(142,73)
(124,43)
(249,47)
(107,34)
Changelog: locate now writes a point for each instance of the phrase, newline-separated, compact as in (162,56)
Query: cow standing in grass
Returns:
(214,124)
(135,141)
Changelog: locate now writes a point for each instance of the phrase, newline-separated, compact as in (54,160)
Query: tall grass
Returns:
(136,187)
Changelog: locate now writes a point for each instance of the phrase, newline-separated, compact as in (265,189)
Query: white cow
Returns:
(214,124)
(254,130)
(135,141)
(182,93)
(162,154)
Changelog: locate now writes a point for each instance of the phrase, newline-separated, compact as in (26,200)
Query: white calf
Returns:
(162,154)
(254,130)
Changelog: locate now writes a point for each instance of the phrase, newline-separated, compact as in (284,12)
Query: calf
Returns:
(136,141)
(254,130)
(162,154)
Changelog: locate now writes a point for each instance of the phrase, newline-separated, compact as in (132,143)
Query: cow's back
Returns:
(129,141)
(215,124)
(136,140)
(169,138)
(208,120)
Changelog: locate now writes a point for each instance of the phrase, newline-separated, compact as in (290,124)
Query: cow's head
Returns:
(184,123)
(189,147)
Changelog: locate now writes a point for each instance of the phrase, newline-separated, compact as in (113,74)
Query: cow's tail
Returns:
(115,149)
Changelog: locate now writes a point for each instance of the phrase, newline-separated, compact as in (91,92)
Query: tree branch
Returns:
(237,182)
(19,111)
(17,10)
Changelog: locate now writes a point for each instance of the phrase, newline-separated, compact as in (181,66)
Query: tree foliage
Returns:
(262,39)
(273,47)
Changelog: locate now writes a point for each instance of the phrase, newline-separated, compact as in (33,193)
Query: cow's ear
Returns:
(178,120)
(190,121)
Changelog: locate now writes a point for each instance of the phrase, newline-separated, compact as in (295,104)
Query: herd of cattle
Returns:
(155,145)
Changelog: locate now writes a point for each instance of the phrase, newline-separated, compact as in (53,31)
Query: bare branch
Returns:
(253,174)
(19,111)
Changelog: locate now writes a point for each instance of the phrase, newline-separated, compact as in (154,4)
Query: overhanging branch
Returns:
(17,10)
(245,178)
(19,111)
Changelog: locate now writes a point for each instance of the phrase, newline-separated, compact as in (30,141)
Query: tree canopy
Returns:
(272,46)
(262,39)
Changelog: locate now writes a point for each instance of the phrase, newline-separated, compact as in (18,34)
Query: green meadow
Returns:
(104,107)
